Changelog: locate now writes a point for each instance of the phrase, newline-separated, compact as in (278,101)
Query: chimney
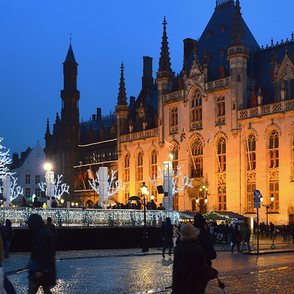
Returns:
(15,158)
(188,47)
(147,79)
(132,101)
(98,114)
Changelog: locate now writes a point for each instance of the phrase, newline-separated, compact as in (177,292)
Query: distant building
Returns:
(29,170)
(227,116)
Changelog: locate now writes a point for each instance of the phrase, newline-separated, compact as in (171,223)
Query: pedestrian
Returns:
(160,207)
(176,235)
(160,238)
(236,238)
(284,232)
(54,203)
(204,238)
(7,235)
(245,237)
(190,271)
(292,235)
(52,228)
(4,281)
(42,271)
(37,203)
(167,233)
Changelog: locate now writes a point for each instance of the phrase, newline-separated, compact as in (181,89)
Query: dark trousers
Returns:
(167,243)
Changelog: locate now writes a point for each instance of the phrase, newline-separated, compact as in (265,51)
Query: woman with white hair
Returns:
(190,270)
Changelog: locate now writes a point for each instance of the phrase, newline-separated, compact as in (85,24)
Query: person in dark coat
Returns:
(245,237)
(52,228)
(190,271)
(204,238)
(167,233)
(37,203)
(42,270)
(236,238)
(7,234)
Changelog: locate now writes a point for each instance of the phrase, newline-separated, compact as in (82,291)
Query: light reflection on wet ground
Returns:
(271,273)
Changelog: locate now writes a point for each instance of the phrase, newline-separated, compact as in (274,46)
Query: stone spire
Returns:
(238,32)
(122,96)
(47,127)
(164,60)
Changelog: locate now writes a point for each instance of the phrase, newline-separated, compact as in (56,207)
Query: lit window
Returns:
(274,149)
(140,167)
(221,154)
(221,110)
(196,110)
(174,120)
(251,152)
(127,168)
(197,158)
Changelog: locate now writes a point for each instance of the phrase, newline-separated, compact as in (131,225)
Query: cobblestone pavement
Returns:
(130,271)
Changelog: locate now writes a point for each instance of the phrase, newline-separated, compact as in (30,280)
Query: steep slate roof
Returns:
(70,55)
(213,39)
(263,62)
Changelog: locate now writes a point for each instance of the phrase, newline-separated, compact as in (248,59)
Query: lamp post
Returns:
(267,206)
(49,178)
(144,191)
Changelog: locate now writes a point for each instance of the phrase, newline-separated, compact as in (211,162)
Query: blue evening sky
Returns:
(35,36)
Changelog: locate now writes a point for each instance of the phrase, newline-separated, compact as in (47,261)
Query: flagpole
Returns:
(219,165)
(248,154)
(191,155)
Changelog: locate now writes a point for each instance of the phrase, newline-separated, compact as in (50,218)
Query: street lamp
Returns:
(144,191)
(267,206)
(49,177)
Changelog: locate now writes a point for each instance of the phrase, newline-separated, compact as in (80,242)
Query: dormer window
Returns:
(223,27)
(209,32)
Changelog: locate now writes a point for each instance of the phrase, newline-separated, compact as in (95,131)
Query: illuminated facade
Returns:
(228,115)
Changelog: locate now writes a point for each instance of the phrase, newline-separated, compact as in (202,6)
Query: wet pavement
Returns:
(128,271)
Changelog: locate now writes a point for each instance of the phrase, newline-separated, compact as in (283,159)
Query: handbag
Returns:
(219,236)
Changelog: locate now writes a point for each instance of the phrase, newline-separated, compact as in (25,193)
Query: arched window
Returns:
(221,110)
(197,158)
(196,110)
(222,197)
(251,152)
(139,166)
(174,120)
(153,164)
(273,149)
(221,154)
(127,168)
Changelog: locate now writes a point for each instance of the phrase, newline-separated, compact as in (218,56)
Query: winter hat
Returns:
(189,232)
(199,221)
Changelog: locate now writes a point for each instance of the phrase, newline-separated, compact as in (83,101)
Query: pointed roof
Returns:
(122,96)
(70,55)
(238,33)
(164,60)
(217,38)
(47,127)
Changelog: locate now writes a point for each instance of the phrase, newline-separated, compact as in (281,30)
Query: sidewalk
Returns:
(266,246)
(18,261)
